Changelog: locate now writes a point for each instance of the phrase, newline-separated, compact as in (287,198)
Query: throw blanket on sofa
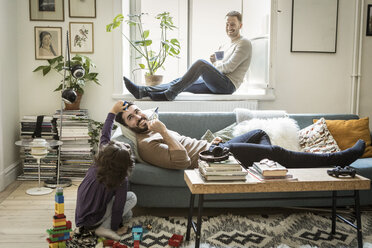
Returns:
(243,114)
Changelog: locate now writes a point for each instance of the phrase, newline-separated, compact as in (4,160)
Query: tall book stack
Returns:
(76,156)
(268,170)
(29,163)
(227,170)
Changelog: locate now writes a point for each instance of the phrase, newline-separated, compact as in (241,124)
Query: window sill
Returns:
(185,96)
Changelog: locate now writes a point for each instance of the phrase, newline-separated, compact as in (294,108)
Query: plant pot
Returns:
(76,104)
(152,80)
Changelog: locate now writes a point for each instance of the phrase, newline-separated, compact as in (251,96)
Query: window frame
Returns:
(268,93)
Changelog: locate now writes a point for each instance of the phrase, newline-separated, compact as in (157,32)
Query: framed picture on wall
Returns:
(46,10)
(81,37)
(369,20)
(82,8)
(314,26)
(48,42)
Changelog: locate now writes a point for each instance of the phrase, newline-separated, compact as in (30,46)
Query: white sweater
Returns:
(237,57)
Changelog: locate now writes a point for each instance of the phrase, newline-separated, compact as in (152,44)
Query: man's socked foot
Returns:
(351,154)
(137,91)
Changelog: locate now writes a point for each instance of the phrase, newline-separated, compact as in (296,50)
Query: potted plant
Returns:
(153,59)
(75,84)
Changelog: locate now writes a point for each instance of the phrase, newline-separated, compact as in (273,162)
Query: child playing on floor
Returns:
(103,200)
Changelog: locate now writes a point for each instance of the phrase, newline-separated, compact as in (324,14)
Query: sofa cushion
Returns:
(348,132)
(316,138)
(225,134)
(146,174)
(363,167)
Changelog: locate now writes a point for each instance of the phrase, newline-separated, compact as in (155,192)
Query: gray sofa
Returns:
(158,187)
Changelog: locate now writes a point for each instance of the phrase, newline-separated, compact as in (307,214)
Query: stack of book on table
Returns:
(268,170)
(227,170)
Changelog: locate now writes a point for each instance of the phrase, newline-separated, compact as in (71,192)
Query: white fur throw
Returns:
(282,131)
(243,114)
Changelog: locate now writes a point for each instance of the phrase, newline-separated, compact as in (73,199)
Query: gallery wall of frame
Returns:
(48,38)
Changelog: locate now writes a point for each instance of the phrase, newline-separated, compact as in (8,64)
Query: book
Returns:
(230,161)
(270,168)
(221,167)
(255,174)
(241,172)
(223,178)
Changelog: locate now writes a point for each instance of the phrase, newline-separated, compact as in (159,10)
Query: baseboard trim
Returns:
(9,175)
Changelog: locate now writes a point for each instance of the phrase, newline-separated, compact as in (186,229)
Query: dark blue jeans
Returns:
(202,78)
(255,145)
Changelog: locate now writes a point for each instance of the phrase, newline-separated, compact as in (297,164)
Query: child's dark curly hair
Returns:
(114,163)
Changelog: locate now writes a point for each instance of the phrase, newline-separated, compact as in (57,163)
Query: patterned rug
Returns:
(307,230)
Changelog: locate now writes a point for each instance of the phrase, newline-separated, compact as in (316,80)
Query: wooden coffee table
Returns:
(314,179)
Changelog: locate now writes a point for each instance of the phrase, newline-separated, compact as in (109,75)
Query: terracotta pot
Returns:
(152,80)
(76,104)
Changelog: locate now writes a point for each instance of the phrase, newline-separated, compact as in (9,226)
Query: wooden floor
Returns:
(24,219)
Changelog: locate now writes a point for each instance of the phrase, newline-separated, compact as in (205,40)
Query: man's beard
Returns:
(138,129)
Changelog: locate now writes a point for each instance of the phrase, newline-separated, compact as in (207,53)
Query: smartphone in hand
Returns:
(154,115)
(125,102)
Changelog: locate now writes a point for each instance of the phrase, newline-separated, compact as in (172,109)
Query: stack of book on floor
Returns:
(228,170)
(268,170)
(76,154)
(29,163)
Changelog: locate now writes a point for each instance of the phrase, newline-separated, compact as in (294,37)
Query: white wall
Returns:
(9,127)
(37,94)
(304,82)
(321,83)
(313,82)
(366,72)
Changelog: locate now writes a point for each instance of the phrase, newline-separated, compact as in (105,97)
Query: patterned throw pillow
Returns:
(316,138)
(225,134)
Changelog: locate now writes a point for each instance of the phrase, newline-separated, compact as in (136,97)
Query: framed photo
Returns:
(47,10)
(314,26)
(48,42)
(81,37)
(369,20)
(82,8)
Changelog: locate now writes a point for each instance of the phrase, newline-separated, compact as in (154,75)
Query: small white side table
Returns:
(39,190)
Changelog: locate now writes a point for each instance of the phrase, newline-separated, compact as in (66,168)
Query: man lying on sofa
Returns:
(165,148)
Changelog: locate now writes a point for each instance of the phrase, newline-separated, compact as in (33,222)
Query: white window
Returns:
(201,30)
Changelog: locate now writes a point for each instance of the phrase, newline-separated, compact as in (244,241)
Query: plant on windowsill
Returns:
(77,85)
(154,60)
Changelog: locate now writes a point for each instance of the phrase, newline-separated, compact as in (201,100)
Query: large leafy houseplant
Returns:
(57,64)
(153,59)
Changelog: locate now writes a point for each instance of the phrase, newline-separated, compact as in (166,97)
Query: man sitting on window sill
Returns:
(223,77)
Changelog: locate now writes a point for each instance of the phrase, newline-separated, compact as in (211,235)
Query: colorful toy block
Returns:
(175,240)
(62,244)
(59,208)
(118,245)
(108,242)
(59,199)
(137,232)
(61,228)
(53,245)
(136,244)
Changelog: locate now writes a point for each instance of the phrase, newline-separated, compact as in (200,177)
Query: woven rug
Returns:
(307,230)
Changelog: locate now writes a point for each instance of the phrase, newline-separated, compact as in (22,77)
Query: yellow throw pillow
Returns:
(348,132)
